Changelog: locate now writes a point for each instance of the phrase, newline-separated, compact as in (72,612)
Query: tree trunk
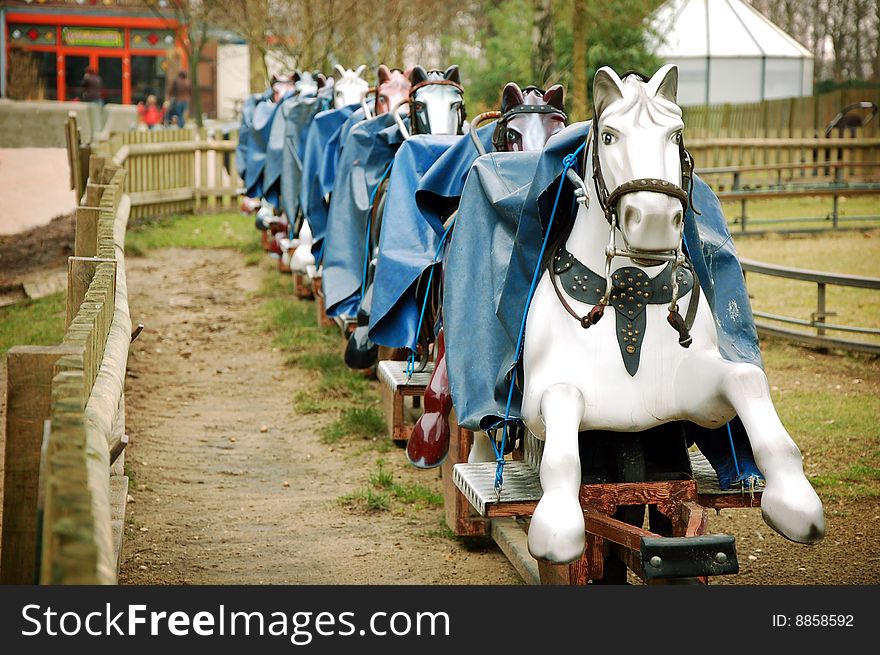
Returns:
(543,40)
(579,80)
(257,16)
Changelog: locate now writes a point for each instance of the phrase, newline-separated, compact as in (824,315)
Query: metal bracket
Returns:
(688,557)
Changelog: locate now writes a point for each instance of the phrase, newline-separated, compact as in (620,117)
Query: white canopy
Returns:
(726,51)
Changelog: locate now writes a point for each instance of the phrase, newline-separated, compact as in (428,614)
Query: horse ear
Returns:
(360,69)
(607,88)
(383,74)
(665,83)
(296,77)
(555,96)
(339,69)
(511,96)
(452,75)
(417,75)
(321,80)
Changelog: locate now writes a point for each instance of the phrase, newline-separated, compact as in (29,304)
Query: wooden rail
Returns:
(818,318)
(64,491)
(176,171)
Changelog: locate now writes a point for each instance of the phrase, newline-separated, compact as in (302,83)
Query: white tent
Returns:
(726,51)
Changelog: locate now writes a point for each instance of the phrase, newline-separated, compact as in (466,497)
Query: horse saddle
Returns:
(632,291)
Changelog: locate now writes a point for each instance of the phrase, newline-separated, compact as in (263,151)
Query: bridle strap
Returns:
(608,200)
(424,83)
(499,136)
(414,124)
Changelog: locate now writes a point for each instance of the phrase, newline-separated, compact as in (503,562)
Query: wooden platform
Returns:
(522,488)
(685,503)
(395,387)
(320,313)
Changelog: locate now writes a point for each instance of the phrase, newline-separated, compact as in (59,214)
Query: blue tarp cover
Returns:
(368,150)
(426,181)
(311,199)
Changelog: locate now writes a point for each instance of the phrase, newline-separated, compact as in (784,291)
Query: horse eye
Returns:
(383,99)
(608,138)
(512,135)
(419,106)
(676,137)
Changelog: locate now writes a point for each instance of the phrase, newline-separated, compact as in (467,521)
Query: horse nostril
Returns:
(632,216)
(676,218)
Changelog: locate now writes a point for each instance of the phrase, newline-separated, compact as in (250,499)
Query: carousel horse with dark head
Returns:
(436,106)
(528,117)
(616,337)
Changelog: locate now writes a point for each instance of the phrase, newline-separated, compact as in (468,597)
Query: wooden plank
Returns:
(513,542)
(86,240)
(460,516)
(80,273)
(94,193)
(30,370)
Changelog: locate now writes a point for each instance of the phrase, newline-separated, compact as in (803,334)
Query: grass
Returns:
(382,489)
(198,231)
(33,322)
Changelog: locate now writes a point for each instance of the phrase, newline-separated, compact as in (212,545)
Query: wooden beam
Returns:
(30,370)
(80,273)
(86,242)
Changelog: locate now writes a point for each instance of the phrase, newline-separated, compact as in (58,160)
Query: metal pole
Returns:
(742,217)
(820,306)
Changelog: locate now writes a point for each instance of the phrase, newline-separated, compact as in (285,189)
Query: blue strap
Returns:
(411,359)
(567,163)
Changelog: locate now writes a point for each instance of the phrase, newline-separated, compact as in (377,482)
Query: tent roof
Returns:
(720,28)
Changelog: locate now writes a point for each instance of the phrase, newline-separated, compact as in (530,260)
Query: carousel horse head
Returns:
(282,85)
(308,83)
(350,87)
(392,88)
(529,117)
(436,101)
(642,170)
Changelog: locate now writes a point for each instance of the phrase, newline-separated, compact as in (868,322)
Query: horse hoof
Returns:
(428,444)
(556,531)
(794,510)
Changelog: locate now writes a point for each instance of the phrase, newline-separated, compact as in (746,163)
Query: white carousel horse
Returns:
(302,257)
(578,379)
(350,87)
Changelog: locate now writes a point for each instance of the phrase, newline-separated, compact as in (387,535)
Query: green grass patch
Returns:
(33,322)
(777,213)
(197,231)
(355,422)
(383,489)
(366,500)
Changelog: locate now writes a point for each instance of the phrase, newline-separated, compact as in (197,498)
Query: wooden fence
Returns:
(64,485)
(176,171)
(783,118)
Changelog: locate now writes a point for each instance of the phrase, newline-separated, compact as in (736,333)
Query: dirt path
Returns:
(217,500)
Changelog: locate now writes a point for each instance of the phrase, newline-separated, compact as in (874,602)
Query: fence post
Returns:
(742,217)
(86,240)
(30,370)
(80,273)
(820,304)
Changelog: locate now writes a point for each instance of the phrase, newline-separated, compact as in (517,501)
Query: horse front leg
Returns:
(789,503)
(556,531)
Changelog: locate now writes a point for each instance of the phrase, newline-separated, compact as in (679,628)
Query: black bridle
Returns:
(609,200)
(499,136)
(419,122)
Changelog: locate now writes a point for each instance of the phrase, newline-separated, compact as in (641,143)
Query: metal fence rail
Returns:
(818,318)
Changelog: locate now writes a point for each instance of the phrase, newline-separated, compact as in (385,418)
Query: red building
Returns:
(48,44)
